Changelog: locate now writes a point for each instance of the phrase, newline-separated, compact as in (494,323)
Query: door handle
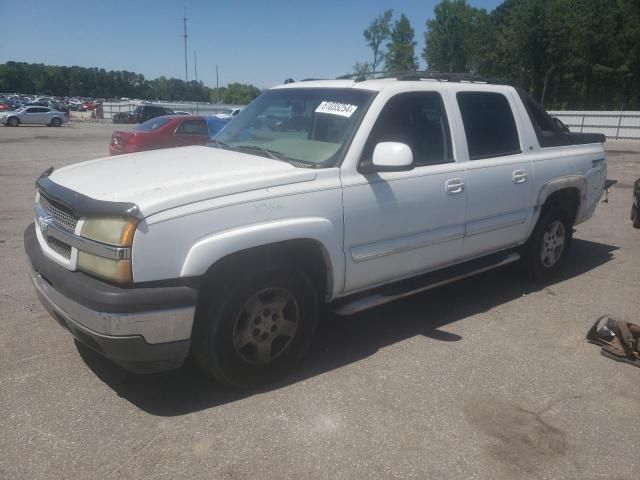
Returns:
(519,176)
(453,186)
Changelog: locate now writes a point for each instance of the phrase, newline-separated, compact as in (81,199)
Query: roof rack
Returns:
(419,75)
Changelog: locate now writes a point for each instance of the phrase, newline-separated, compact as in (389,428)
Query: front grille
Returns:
(59,247)
(60,214)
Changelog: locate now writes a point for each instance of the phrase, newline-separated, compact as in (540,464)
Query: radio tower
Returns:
(186,67)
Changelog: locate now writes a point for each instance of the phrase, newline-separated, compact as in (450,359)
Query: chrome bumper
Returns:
(159,326)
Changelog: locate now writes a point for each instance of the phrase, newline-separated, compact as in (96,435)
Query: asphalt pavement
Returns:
(489,378)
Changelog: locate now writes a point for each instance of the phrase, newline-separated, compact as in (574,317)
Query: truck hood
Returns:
(161,179)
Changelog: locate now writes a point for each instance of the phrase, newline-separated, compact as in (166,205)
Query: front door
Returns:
(401,223)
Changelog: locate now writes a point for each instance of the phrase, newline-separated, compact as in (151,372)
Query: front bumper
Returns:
(143,329)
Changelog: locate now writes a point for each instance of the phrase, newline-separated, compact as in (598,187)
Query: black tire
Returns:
(13,121)
(545,255)
(56,122)
(220,323)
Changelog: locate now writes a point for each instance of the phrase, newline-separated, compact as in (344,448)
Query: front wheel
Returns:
(548,247)
(257,326)
(13,122)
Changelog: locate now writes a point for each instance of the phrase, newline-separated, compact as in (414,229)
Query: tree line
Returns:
(569,54)
(36,78)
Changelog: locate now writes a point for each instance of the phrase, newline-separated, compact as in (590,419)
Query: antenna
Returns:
(186,67)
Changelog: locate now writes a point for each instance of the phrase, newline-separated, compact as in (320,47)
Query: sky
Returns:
(259,42)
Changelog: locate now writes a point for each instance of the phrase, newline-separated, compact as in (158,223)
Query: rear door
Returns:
(499,176)
(191,132)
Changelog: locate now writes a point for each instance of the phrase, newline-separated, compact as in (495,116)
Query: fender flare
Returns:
(569,181)
(552,186)
(212,248)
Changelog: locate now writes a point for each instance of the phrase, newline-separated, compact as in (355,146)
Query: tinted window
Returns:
(31,110)
(193,127)
(489,124)
(548,133)
(166,111)
(419,120)
(153,124)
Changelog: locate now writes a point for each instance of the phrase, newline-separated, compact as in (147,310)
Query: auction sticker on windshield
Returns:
(336,108)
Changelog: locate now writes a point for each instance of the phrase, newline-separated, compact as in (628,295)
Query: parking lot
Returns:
(489,378)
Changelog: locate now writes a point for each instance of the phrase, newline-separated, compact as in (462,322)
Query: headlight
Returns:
(114,231)
(111,230)
(107,268)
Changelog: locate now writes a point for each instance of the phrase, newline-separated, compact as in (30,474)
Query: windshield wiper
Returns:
(271,153)
(220,145)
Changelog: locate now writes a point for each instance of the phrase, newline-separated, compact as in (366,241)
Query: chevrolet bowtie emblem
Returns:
(43,223)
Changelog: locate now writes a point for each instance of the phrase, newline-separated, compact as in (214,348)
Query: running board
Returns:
(405,288)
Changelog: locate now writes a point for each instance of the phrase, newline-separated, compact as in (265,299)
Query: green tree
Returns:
(400,55)
(376,34)
(451,36)
(361,70)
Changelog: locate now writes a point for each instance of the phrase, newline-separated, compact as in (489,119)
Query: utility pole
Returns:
(195,64)
(186,67)
(217,87)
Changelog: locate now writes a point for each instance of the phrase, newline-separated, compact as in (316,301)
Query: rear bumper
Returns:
(125,325)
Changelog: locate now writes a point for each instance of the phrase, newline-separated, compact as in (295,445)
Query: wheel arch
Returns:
(313,244)
(565,192)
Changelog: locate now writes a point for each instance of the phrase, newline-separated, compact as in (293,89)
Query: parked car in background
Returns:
(224,112)
(123,117)
(143,113)
(33,115)
(180,112)
(215,124)
(161,132)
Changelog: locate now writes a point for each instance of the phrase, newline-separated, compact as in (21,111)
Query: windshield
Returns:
(152,124)
(308,125)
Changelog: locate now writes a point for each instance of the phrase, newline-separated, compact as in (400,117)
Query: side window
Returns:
(193,127)
(488,124)
(419,120)
(548,133)
(30,110)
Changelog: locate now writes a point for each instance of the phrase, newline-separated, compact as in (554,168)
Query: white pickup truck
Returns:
(338,193)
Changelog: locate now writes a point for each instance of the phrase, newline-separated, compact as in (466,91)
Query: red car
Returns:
(160,132)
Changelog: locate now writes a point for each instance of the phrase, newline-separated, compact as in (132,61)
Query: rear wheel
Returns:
(13,121)
(257,326)
(56,122)
(549,244)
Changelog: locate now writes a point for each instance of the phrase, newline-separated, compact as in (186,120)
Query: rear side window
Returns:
(153,124)
(547,131)
(193,127)
(488,124)
(419,120)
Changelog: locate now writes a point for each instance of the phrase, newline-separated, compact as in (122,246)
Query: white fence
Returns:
(109,109)
(620,125)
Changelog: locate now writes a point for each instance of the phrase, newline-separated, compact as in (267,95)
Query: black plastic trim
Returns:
(131,352)
(102,296)
(81,205)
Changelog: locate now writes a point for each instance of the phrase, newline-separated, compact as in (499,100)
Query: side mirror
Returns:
(392,157)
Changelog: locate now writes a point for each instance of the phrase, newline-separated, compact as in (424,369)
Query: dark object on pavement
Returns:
(607,186)
(619,340)
(635,205)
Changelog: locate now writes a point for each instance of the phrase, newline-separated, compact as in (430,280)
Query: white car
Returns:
(341,194)
(33,115)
